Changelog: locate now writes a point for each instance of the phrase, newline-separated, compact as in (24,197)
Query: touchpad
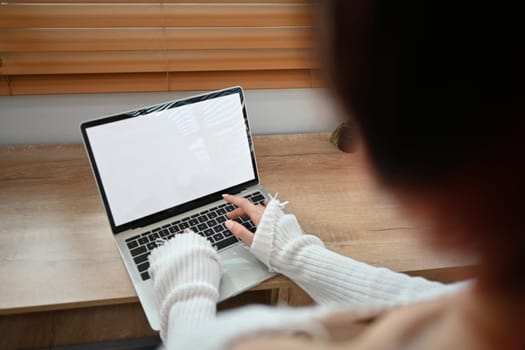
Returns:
(242,271)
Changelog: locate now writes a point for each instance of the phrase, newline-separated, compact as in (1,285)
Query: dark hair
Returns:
(431,84)
(436,89)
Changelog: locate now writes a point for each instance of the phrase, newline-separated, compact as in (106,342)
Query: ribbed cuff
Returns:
(186,305)
(275,232)
(186,272)
(263,241)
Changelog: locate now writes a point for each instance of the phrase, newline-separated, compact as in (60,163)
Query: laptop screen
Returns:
(165,156)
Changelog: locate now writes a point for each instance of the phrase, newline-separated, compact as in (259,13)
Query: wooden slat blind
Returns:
(70,46)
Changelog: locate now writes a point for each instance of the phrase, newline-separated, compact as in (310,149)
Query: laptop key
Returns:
(226,242)
(143,240)
(145,276)
(138,251)
(221,211)
(212,215)
(258,198)
(154,236)
(152,245)
(141,258)
(184,225)
(203,218)
(164,233)
(218,237)
(221,219)
(143,267)
(132,244)
(212,223)
(208,232)
(194,222)
(202,227)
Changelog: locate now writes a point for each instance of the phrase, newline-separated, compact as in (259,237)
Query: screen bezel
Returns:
(178,209)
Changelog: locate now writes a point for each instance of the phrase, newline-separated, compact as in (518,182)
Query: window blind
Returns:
(72,46)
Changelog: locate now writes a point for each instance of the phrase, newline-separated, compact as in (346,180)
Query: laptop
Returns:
(162,169)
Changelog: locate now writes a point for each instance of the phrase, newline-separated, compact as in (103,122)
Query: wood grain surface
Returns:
(57,250)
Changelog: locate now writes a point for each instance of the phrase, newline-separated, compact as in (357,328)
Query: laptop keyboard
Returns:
(208,223)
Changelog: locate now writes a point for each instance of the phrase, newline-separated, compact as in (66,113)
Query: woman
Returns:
(436,91)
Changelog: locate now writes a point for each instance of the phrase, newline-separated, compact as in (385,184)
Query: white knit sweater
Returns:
(186,273)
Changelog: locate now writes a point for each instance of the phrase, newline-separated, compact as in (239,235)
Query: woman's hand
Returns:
(244,208)
(278,236)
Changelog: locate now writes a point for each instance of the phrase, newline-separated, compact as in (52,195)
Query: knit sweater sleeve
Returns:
(186,271)
(328,277)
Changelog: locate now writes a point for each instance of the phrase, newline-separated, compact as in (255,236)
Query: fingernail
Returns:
(225,195)
(228,224)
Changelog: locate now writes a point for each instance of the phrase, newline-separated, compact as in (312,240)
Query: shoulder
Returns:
(430,325)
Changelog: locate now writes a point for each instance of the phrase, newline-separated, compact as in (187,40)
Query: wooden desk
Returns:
(60,268)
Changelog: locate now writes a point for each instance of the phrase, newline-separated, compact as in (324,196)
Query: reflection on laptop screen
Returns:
(165,158)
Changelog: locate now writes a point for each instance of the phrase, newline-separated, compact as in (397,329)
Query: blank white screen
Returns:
(156,161)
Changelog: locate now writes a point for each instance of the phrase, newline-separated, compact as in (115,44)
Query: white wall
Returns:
(56,118)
